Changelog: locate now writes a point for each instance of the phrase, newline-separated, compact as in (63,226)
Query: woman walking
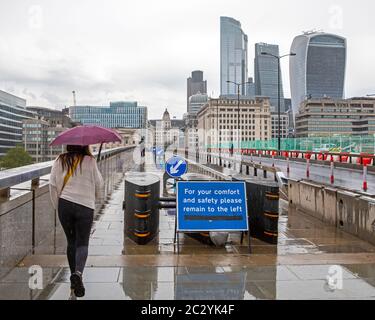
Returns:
(75,183)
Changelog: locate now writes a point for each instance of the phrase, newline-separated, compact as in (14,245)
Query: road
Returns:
(348,178)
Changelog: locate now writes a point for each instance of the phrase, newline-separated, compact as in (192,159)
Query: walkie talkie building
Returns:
(318,69)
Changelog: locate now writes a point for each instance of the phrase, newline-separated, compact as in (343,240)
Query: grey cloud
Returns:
(144,50)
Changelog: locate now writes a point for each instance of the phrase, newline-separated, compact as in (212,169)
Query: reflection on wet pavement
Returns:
(217,283)
(232,273)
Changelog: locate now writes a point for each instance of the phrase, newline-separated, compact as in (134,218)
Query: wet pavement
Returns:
(311,261)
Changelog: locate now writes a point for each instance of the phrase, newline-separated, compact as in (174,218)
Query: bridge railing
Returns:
(226,160)
(28,222)
(353,159)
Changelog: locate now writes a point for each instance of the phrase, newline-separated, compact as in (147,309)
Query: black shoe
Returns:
(77,284)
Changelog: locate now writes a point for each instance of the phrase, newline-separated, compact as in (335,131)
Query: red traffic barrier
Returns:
(307,156)
(295,154)
(285,154)
(322,156)
(362,159)
(274,153)
(344,157)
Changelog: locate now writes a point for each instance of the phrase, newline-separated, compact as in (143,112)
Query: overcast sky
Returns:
(144,50)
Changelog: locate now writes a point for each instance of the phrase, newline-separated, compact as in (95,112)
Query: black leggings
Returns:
(76,221)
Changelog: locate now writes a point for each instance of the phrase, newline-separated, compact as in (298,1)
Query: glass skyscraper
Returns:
(318,69)
(266,75)
(12,113)
(117,115)
(233,56)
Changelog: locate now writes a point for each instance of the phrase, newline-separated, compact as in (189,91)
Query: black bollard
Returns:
(263,208)
(141,207)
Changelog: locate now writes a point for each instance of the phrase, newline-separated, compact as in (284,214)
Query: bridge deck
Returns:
(296,268)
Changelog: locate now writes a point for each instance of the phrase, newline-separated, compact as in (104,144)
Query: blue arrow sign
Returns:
(159,151)
(176,167)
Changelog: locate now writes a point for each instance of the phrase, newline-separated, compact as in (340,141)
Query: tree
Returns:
(16,157)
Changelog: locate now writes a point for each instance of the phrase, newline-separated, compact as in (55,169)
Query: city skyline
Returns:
(67,51)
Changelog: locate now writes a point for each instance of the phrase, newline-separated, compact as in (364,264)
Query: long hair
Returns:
(72,154)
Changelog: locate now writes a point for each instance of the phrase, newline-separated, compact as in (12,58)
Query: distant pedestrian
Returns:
(75,183)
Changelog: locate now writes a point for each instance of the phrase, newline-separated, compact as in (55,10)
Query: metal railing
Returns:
(28,222)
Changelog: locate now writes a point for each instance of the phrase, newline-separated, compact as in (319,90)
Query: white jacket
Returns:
(82,187)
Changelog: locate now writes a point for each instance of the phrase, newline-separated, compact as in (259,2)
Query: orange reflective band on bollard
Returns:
(142,195)
(142,235)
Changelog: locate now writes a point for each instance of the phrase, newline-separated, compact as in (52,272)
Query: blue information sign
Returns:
(211,206)
(176,167)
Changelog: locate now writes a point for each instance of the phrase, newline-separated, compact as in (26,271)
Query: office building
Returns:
(218,121)
(284,125)
(116,115)
(289,112)
(233,56)
(266,71)
(318,69)
(330,117)
(288,104)
(35,139)
(12,113)
(39,132)
(196,102)
(54,117)
(250,88)
(196,84)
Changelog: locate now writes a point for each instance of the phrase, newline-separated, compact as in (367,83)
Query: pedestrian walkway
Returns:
(297,268)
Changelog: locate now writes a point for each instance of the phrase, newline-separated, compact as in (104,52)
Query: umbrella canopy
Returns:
(86,135)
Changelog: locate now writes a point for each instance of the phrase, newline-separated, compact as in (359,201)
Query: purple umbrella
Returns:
(86,135)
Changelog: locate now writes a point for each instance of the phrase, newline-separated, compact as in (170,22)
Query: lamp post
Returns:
(238,113)
(218,146)
(278,93)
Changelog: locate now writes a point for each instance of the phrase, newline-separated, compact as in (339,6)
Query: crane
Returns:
(74,99)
